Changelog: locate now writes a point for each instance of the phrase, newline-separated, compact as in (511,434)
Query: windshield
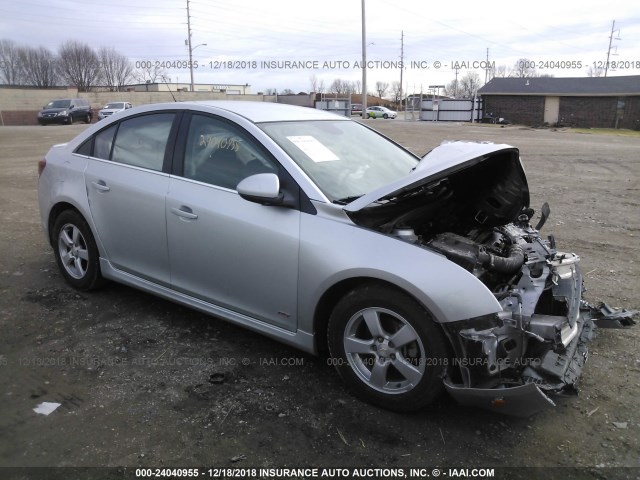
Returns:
(344,159)
(114,105)
(59,104)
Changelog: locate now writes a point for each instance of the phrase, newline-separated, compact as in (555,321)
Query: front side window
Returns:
(221,154)
(142,141)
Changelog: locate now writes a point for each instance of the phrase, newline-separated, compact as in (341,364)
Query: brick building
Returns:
(611,102)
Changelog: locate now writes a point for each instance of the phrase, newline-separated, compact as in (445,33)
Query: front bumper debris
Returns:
(526,390)
(520,401)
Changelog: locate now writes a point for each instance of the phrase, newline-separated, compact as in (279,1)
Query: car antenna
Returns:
(164,79)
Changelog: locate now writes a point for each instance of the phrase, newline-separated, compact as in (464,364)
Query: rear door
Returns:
(126,186)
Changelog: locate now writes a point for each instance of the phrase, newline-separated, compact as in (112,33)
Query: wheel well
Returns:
(329,300)
(53,215)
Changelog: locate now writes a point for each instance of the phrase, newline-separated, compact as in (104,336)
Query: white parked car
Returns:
(113,107)
(381,112)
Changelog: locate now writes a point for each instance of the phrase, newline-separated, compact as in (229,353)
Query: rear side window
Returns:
(103,143)
(85,148)
(142,141)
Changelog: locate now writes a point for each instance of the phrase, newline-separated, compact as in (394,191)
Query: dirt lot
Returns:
(146,382)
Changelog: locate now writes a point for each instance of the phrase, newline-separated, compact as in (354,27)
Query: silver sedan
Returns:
(416,275)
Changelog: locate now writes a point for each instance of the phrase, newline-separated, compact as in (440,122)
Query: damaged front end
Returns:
(510,362)
(475,210)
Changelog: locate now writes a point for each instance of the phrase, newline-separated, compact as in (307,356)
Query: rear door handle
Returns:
(184,212)
(100,186)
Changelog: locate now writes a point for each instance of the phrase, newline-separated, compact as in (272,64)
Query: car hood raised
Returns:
(456,187)
(440,162)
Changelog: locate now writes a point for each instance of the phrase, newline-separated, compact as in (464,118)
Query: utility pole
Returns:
(613,26)
(401,63)
(455,85)
(189,44)
(486,68)
(364,64)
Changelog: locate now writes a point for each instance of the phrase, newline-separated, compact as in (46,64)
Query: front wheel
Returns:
(76,251)
(385,116)
(387,348)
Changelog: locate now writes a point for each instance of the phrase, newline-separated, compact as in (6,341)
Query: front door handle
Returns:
(184,212)
(100,186)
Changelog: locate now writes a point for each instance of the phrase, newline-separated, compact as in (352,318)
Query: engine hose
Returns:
(510,264)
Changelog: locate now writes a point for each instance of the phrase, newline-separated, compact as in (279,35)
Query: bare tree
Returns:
(452,88)
(321,87)
(497,71)
(595,71)
(11,71)
(339,87)
(287,91)
(468,85)
(79,65)
(151,74)
(381,88)
(116,68)
(40,66)
(396,91)
(524,68)
(353,87)
(313,81)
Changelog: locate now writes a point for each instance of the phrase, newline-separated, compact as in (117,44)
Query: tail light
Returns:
(41,164)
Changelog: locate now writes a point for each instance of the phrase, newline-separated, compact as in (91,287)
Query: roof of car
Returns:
(266,111)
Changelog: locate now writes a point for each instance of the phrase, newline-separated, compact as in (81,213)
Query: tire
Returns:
(361,331)
(385,116)
(76,251)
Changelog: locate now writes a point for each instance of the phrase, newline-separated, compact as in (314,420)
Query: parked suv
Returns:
(66,110)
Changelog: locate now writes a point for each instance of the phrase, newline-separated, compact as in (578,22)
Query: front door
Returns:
(222,248)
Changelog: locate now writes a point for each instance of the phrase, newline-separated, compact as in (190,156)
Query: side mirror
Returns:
(71,107)
(262,188)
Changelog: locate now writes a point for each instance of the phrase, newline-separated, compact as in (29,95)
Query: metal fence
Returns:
(451,110)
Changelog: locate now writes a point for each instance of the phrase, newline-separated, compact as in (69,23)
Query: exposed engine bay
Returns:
(478,216)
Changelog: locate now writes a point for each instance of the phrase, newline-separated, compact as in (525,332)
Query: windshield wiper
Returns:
(345,200)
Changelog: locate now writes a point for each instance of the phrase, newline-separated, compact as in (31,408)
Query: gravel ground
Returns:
(144,382)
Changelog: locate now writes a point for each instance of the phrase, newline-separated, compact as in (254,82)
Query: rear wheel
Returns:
(76,251)
(387,348)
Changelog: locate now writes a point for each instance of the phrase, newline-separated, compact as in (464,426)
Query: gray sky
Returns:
(249,33)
